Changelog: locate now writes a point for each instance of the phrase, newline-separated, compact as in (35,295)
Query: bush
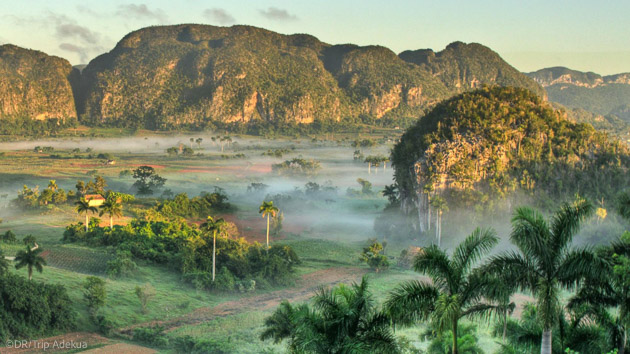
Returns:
(41,309)
(373,257)
(153,336)
(94,293)
(9,237)
(122,265)
(224,280)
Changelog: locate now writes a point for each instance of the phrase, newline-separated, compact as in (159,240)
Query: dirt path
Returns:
(303,291)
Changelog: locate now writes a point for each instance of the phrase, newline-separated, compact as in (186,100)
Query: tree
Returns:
(606,297)
(456,291)
(52,185)
(29,240)
(342,320)
(199,141)
(30,258)
(267,209)
(4,263)
(214,226)
(372,255)
(144,294)
(440,206)
(84,207)
(147,180)
(172,151)
(111,207)
(94,293)
(391,193)
(545,262)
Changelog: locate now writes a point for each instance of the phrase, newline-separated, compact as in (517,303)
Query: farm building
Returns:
(95,200)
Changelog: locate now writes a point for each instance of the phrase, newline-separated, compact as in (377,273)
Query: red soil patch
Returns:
(154,166)
(257,168)
(306,287)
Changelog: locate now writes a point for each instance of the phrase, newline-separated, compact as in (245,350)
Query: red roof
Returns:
(94,197)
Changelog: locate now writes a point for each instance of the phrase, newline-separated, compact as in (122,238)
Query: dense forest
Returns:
(484,146)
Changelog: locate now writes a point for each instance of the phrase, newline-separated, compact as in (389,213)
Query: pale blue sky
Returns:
(580,34)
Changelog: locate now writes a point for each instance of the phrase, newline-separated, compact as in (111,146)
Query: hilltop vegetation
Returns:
(35,85)
(604,95)
(207,77)
(484,145)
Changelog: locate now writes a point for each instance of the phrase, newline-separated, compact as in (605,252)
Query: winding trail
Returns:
(303,291)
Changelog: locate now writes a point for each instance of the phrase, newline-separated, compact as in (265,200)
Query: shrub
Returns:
(9,237)
(144,294)
(122,265)
(373,257)
(153,336)
(94,293)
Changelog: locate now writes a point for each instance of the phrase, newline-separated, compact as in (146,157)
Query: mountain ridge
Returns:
(165,77)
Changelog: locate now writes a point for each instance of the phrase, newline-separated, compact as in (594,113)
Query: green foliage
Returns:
(486,142)
(9,237)
(122,265)
(30,258)
(198,207)
(94,294)
(372,255)
(341,320)
(144,294)
(297,167)
(189,250)
(467,341)
(153,336)
(147,180)
(30,309)
(456,290)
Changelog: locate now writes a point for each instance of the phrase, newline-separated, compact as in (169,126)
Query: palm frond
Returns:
(566,223)
(435,263)
(577,265)
(411,302)
(518,268)
(530,234)
(478,243)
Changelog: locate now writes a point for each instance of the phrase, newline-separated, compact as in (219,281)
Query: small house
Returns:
(95,200)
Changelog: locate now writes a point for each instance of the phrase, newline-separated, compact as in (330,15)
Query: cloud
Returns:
(87,10)
(141,11)
(82,51)
(70,30)
(276,14)
(219,16)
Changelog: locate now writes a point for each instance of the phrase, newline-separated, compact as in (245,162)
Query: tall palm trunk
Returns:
(30,272)
(86,222)
(111,222)
(267,230)
(214,253)
(545,345)
(369,167)
(454,337)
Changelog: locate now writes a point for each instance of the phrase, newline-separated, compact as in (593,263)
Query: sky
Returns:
(530,35)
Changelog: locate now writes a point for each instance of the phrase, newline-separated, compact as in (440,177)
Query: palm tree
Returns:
(342,320)
(215,226)
(52,185)
(440,206)
(30,258)
(546,263)
(606,297)
(84,207)
(112,208)
(267,209)
(456,289)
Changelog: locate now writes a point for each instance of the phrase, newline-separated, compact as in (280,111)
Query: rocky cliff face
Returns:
(604,95)
(187,74)
(463,67)
(561,75)
(33,84)
(484,145)
(166,77)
